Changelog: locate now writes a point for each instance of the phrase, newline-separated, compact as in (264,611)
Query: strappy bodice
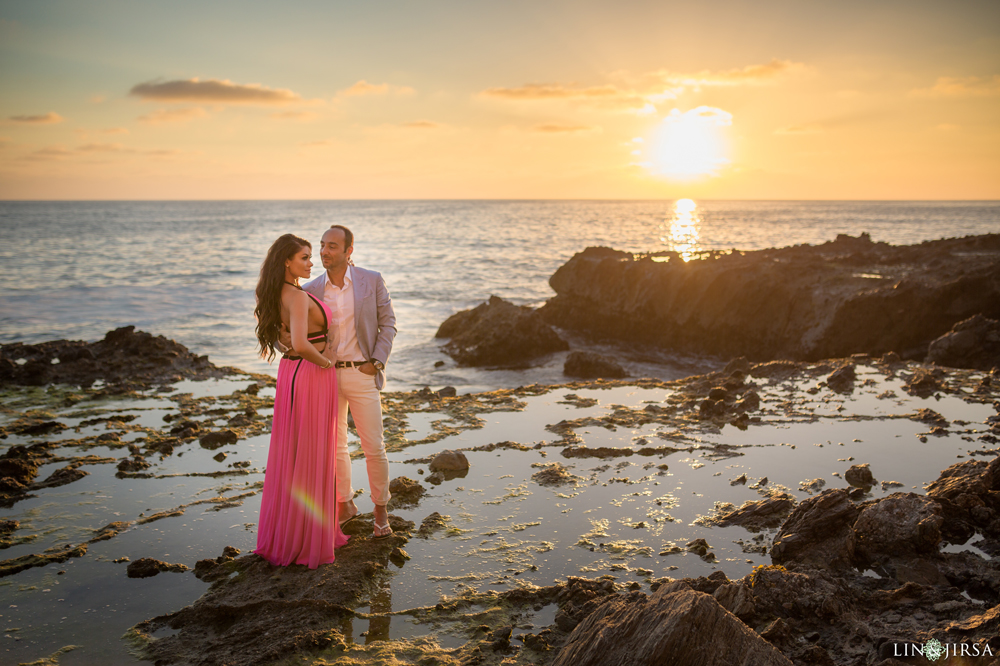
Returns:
(314,337)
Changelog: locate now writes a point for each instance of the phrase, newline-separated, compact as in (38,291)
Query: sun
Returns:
(691,144)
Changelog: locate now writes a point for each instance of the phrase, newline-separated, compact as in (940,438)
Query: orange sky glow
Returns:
(722,99)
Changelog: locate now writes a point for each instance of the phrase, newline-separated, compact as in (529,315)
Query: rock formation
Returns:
(499,333)
(805,302)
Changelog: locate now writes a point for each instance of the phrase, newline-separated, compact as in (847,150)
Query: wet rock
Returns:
(218,439)
(701,548)
(761,514)
(134,464)
(18,564)
(842,379)
(449,461)
(591,366)
(499,638)
(124,359)
(447,392)
(676,625)
(817,532)
(261,614)
(965,490)
(971,343)
(220,456)
(596,452)
(145,567)
(718,393)
(210,570)
(902,525)
(111,530)
(801,302)
(930,417)
(432,524)
(498,333)
(922,383)
(405,493)
(398,556)
(7,526)
(61,477)
(553,474)
(860,476)
(750,402)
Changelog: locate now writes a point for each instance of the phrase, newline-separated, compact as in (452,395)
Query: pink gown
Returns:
(298,510)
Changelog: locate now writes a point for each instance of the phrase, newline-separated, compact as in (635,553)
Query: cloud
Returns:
(535,91)
(49,118)
(640,94)
(97,99)
(362,88)
(752,75)
(606,96)
(314,144)
(49,153)
(101,148)
(554,128)
(965,86)
(295,115)
(421,124)
(115,130)
(161,116)
(800,129)
(212,90)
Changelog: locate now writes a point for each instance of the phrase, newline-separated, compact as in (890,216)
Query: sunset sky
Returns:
(458,99)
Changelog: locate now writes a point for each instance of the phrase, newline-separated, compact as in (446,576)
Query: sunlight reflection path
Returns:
(682,233)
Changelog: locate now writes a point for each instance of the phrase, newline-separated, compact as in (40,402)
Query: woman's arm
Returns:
(298,310)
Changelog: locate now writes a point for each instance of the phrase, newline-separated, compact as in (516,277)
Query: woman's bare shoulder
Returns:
(291,296)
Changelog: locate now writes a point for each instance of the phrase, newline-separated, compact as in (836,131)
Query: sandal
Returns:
(382,531)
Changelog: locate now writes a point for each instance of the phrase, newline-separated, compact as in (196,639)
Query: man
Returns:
(363,328)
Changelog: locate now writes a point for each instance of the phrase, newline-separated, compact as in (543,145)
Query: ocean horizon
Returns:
(187,269)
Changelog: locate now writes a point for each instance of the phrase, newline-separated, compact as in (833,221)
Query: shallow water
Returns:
(504,530)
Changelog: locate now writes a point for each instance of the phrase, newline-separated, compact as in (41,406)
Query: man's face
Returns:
(332,250)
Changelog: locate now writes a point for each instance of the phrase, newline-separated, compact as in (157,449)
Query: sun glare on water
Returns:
(691,144)
(681,234)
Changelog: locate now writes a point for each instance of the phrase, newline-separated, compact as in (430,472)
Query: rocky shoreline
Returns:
(854,575)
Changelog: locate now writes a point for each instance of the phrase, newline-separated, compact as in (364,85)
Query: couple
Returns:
(336,331)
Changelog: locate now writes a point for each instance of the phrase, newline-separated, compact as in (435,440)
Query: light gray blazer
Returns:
(375,323)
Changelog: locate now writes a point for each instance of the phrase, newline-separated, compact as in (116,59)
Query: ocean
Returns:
(187,269)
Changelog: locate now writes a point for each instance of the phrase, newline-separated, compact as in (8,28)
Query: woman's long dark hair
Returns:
(269,286)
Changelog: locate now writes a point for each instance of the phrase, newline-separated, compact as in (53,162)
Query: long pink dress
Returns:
(298,510)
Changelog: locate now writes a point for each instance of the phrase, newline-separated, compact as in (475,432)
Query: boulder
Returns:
(860,476)
(591,366)
(499,333)
(971,343)
(449,461)
(817,532)
(676,626)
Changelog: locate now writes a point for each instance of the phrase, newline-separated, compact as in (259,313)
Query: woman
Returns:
(298,511)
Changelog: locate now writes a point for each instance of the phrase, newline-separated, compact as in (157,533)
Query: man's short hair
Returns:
(348,236)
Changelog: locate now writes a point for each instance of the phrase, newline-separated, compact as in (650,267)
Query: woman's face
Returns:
(299,265)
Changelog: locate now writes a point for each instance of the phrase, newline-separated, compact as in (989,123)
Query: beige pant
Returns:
(357,391)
